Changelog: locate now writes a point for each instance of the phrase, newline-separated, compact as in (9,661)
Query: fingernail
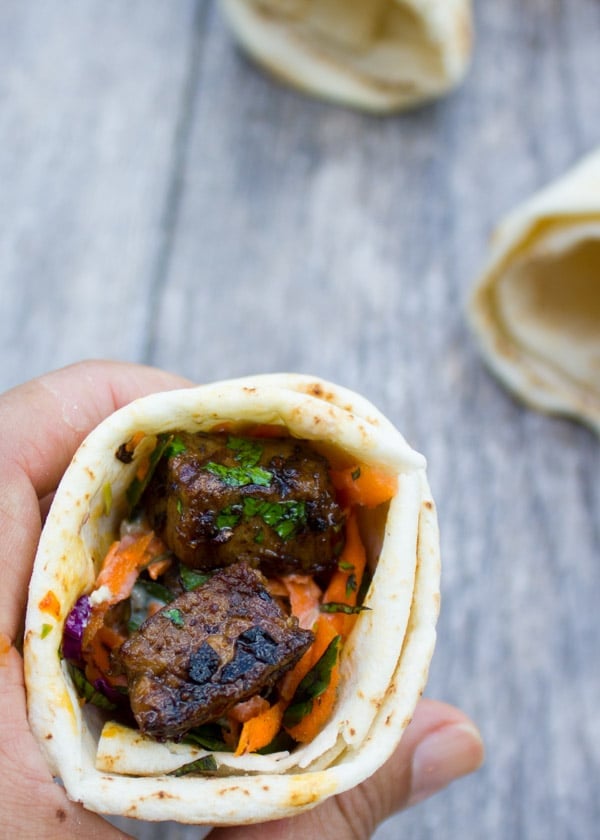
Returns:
(445,755)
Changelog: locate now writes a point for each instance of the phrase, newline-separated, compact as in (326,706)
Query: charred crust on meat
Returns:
(234,641)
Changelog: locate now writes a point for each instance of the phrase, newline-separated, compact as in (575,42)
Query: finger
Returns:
(41,424)
(45,420)
(440,745)
(34,805)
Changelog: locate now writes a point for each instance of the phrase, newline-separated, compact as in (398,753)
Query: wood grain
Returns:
(162,200)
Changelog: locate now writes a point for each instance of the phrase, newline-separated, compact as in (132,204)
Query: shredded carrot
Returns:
(120,569)
(304,597)
(311,724)
(98,663)
(246,709)
(346,580)
(122,565)
(135,440)
(364,485)
(143,467)
(158,567)
(260,730)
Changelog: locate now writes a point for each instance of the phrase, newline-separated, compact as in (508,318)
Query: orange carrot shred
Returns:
(364,485)
(311,724)
(304,597)
(346,580)
(260,730)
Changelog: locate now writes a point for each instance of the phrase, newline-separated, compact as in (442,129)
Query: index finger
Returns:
(42,422)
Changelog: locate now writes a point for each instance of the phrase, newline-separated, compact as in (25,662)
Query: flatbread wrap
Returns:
(270,653)
(375,55)
(536,307)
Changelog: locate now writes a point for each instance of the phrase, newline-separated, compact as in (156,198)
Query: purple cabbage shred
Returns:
(73,630)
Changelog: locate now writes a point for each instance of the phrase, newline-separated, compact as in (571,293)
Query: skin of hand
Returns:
(42,422)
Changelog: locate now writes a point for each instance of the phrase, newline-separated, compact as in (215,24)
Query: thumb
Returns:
(440,745)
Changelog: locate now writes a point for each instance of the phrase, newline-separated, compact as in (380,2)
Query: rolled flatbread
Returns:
(378,55)
(536,307)
(110,765)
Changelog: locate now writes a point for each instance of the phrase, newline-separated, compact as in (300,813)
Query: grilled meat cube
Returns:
(206,651)
(265,501)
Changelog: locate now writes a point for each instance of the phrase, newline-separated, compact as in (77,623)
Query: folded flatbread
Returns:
(378,55)
(536,307)
(112,768)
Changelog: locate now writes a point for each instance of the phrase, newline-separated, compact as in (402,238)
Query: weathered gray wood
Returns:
(162,200)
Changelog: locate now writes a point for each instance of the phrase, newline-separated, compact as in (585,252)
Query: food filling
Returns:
(219,615)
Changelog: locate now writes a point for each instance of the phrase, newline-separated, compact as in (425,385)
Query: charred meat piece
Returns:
(222,499)
(206,651)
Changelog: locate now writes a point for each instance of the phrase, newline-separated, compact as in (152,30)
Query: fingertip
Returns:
(447,753)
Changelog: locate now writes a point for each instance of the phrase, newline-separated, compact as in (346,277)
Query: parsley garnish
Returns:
(175,447)
(138,485)
(175,615)
(351,585)
(206,764)
(86,690)
(313,685)
(285,518)
(247,451)
(191,579)
(247,454)
(239,476)
(209,736)
(335,607)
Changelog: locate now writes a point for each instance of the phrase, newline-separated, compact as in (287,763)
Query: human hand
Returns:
(41,424)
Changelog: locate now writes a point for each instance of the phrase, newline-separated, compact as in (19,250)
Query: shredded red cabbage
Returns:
(73,630)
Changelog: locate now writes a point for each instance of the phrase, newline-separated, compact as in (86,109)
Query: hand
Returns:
(41,424)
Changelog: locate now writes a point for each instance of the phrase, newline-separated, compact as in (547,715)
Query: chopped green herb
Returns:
(86,690)
(176,616)
(286,518)
(364,585)
(175,447)
(351,585)
(154,590)
(247,451)
(356,474)
(209,736)
(145,593)
(46,628)
(179,505)
(282,742)
(313,685)
(229,517)
(334,607)
(138,485)
(191,579)
(259,537)
(239,476)
(346,567)
(206,764)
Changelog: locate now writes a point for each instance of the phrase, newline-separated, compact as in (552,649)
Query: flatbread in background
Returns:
(115,770)
(536,307)
(376,55)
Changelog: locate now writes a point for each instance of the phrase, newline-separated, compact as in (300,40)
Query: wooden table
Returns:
(161,200)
